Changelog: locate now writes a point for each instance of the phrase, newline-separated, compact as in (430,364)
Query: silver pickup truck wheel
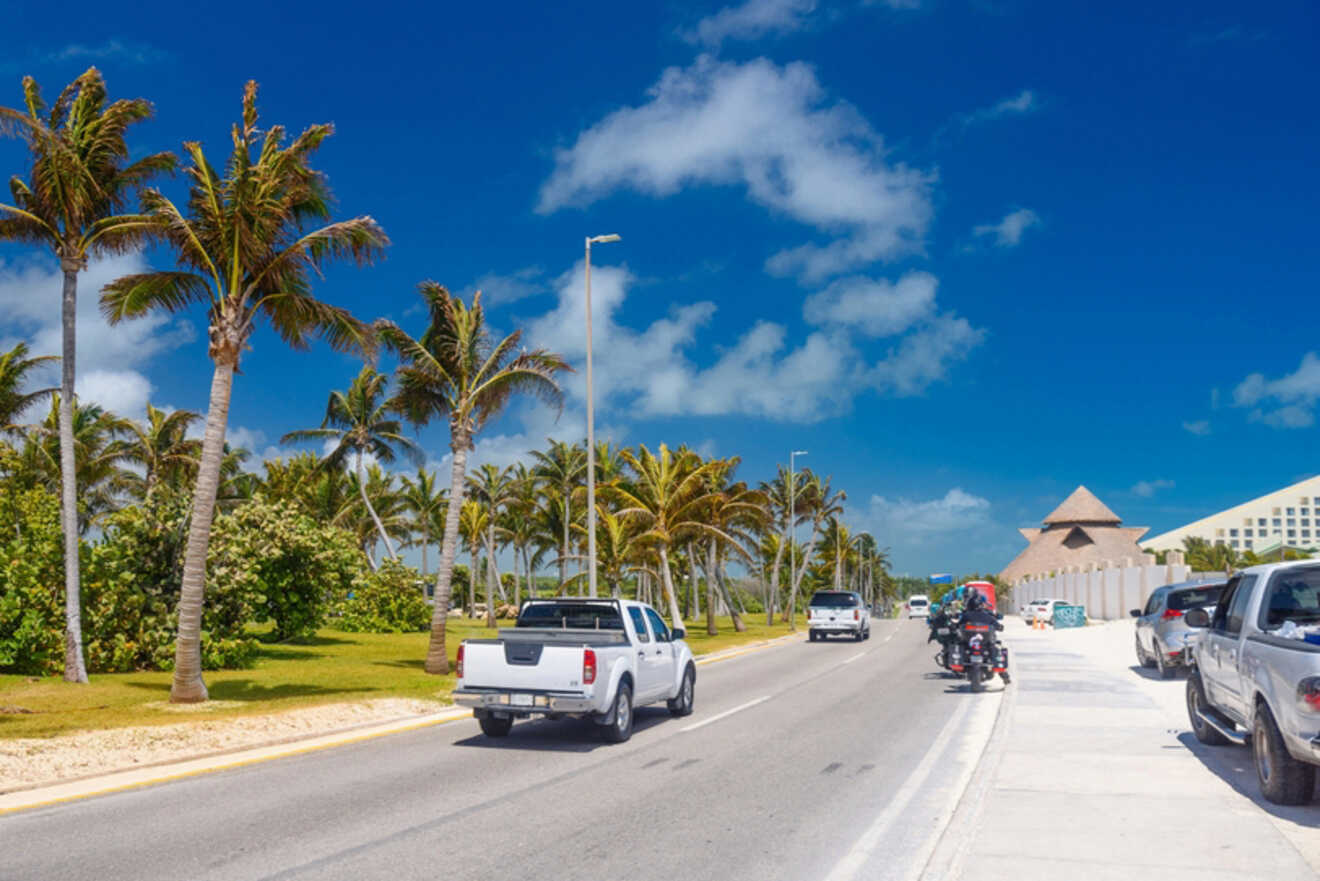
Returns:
(1283,779)
(620,729)
(682,704)
(1196,704)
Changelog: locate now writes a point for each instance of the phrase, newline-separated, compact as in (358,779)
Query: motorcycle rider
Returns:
(976,610)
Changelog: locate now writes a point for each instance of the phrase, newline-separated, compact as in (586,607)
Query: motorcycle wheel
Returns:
(974,674)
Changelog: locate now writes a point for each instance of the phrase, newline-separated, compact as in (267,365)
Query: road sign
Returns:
(1069,616)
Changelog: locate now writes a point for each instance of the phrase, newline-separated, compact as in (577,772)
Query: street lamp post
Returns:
(792,523)
(591,430)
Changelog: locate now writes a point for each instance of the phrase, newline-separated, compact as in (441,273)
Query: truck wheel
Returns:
(1283,779)
(495,726)
(1166,671)
(1196,704)
(682,705)
(974,674)
(858,637)
(620,729)
(1143,659)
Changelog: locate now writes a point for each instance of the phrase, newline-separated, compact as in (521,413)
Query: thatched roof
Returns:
(1082,507)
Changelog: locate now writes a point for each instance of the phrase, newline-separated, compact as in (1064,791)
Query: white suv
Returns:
(918,606)
(838,611)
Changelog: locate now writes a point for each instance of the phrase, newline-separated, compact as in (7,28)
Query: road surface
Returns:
(834,761)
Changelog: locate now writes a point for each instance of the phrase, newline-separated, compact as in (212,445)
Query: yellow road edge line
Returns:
(196,772)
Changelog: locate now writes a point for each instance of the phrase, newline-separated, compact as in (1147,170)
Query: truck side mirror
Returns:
(1135,613)
(678,633)
(1197,618)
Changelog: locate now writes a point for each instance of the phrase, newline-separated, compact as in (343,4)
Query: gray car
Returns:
(1162,630)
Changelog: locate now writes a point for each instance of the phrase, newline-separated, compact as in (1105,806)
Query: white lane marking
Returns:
(855,859)
(853,658)
(718,716)
(889,637)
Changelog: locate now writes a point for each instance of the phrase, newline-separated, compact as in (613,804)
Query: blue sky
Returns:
(968,254)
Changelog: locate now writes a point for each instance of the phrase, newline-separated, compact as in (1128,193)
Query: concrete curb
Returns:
(25,799)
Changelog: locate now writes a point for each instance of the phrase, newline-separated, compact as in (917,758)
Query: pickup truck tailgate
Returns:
(534,666)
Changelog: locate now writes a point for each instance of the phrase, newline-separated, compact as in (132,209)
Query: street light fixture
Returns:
(792,523)
(591,429)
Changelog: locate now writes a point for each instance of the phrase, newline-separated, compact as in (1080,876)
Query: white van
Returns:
(918,606)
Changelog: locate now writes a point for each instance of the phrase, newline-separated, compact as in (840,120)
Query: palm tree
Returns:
(822,503)
(73,203)
(425,501)
(472,524)
(618,550)
(101,447)
(667,499)
(244,253)
(163,449)
(736,514)
(563,465)
(15,371)
(359,421)
(520,525)
(456,371)
(492,488)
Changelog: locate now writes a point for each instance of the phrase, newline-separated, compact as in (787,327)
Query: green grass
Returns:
(333,667)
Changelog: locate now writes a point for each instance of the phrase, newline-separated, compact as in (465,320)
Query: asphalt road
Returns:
(832,761)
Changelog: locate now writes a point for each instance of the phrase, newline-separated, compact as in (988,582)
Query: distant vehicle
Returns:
(1255,674)
(1042,610)
(918,606)
(1162,631)
(838,611)
(596,659)
(984,588)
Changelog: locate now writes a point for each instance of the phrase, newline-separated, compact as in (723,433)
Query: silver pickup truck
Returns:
(1254,680)
(597,659)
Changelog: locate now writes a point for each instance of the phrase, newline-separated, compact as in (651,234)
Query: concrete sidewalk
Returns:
(1095,775)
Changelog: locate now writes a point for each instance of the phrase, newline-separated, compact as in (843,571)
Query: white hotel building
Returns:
(1290,515)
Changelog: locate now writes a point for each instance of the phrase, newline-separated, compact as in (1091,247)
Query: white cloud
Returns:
(1007,233)
(133,53)
(1022,103)
(500,290)
(770,130)
(750,20)
(109,359)
(762,373)
(1200,427)
(1286,402)
(896,521)
(1147,488)
(876,307)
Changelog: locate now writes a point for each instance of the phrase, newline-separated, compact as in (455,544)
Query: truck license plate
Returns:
(521,700)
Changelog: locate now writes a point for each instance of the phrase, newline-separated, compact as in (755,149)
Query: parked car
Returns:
(1162,631)
(918,606)
(1253,678)
(597,659)
(838,611)
(1042,610)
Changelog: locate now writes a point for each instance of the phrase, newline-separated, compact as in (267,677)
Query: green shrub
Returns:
(31,583)
(387,601)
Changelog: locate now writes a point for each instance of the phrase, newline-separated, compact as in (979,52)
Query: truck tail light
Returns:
(459,664)
(1170,614)
(857,616)
(1308,694)
(588,666)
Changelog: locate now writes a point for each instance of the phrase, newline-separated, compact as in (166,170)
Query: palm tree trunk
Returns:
(517,577)
(492,578)
(773,598)
(380,529)
(711,629)
(838,560)
(675,616)
(472,582)
(722,585)
(188,686)
(437,657)
(797,582)
(75,670)
(693,583)
(563,552)
(426,542)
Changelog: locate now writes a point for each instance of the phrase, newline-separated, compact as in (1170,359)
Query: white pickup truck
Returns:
(1254,679)
(597,659)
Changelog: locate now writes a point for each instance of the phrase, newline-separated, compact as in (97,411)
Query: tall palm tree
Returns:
(562,466)
(16,369)
(822,503)
(74,203)
(618,550)
(162,447)
(245,252)
(492,488)
(784,499)
(667,498)
(472,525)
(736,513)
(102,449)
(520,524)
(425,501)
(361,423)
(458,372)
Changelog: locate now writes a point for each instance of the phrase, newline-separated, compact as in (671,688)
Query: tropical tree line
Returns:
(249,239)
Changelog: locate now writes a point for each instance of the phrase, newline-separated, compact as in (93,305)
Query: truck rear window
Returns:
(831,599)
(583,616)
(1183,600)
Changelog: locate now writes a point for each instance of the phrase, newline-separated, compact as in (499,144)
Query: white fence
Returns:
(1108,589)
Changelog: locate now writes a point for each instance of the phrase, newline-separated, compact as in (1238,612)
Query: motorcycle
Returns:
(978,655)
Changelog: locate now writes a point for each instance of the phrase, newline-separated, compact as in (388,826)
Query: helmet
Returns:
(975,601)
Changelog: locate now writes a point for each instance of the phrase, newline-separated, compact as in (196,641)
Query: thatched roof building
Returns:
(1082,530)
